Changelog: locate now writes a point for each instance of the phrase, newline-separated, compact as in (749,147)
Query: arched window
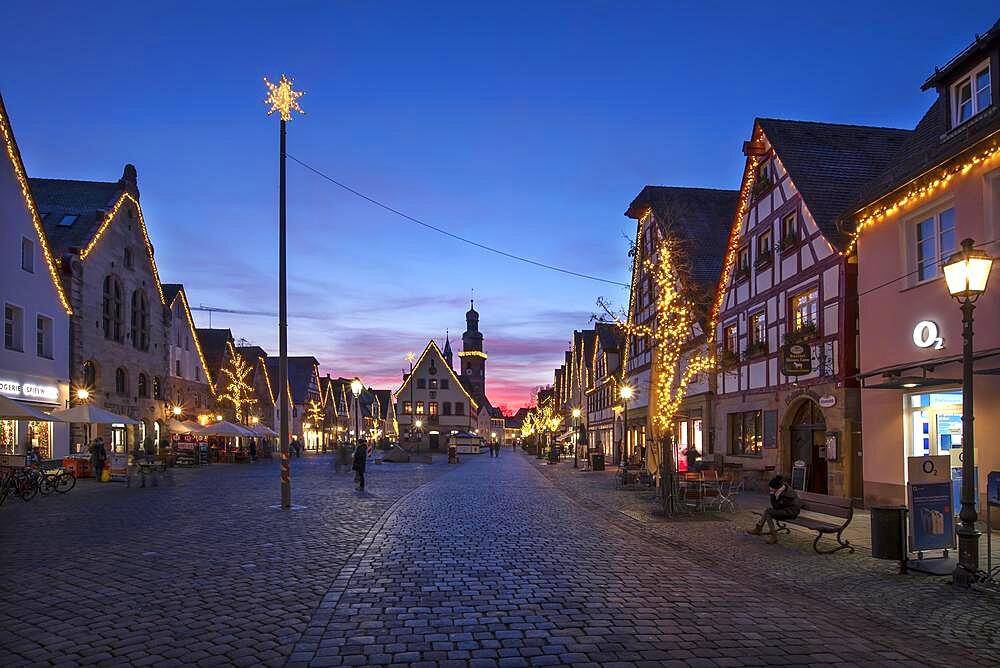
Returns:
(143,385)
(157,390)
(89,375)
(112,311)
(121,381)
(140,320)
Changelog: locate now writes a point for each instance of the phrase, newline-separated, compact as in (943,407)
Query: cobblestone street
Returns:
(493,562)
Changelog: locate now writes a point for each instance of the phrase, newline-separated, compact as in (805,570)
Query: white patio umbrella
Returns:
(224,428)
(87,414)
(264,430)
(178,427)
(15,410)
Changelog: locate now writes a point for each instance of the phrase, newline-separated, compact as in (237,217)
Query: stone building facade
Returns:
(120,322)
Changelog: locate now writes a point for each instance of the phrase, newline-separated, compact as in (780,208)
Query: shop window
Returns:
(420,408)
(432,408)
(43,336)
(143,386)
(13,327)
(933,242)
(407,408)
(112,319)
(27,255)
(157,390)
(804,308)
(446,408)
(459,408)
(746,435)
(140,320)
(121,381)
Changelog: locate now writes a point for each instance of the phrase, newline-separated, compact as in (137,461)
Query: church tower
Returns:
(473,357)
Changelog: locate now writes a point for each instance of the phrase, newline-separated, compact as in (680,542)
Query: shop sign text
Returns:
(18,390)
(926,335)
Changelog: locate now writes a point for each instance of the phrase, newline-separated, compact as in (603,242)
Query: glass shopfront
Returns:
(933,423)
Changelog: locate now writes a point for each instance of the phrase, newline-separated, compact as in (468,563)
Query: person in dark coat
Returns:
(253,449)
(360,461)
(97,456)
(785,505)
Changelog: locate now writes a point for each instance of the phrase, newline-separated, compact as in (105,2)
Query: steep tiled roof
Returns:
(89,200)
(831,164)
(699,217)
(214,343)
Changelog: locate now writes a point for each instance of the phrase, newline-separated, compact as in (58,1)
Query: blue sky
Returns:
(528,126)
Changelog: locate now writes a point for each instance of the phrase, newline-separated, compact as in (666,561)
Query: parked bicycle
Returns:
(18,482)
(58,480)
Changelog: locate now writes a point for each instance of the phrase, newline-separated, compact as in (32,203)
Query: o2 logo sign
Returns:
(925,335)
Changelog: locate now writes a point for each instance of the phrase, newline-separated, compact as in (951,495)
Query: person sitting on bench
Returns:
(785,505)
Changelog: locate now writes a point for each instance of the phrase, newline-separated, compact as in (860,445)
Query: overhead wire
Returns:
(412,219)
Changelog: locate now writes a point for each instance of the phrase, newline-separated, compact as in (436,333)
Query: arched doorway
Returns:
(808,442)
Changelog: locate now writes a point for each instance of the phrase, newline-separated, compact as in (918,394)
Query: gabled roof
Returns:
(433,350)
(301,372)
(700,220)
(384,398)
(830,164)
(214,345)
(609,335)
(976,51)
(257,357)
(14,155)
(172,292)
(96,203)
(589,340)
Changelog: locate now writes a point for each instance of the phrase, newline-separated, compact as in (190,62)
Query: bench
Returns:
(822,504)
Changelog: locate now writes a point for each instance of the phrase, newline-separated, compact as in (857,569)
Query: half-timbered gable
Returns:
(602,391)
(787,281)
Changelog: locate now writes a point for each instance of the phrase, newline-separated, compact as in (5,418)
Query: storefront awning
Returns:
(15,410)
(915,374)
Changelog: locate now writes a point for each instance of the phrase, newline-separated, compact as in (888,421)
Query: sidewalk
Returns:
(926,606)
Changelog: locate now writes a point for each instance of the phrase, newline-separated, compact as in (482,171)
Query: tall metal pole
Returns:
(413,410)
(624,429)
(286,474)
(968,536)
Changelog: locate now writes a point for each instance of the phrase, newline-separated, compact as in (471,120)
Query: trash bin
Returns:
(597,461)
(889,532)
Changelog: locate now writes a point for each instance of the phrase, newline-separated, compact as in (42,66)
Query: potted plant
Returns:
(789,241)
(742,272)
(802,333)
(728,359)
(756,349)
(761,185)
(764,258)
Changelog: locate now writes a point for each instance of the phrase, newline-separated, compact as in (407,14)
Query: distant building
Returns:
(189,386)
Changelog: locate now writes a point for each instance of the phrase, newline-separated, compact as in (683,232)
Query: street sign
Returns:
(796,359)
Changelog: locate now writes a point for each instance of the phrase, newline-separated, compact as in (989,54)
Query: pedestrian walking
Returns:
(97,456)
(785,505)
(253,449)
(295,447)
(360,461)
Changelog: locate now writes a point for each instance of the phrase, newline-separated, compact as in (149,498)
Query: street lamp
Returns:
(966,273)
(625,392)
(83,394)
(576,428)
(356,387)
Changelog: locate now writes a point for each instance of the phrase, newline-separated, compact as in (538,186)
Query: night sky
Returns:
(525,126)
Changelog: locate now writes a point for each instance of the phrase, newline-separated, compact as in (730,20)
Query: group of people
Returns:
(495,449)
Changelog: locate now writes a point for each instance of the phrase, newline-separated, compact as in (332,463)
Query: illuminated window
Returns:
(934,239)
(758,329)
(433,384)
(407,408)
(432,408)
(420,408)
(157,390)
(971,94)
(746,436)
(731,338)
(805,310)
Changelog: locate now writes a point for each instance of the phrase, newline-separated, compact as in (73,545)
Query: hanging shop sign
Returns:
(926,335)
(30,391)
(828,401)
(796,359)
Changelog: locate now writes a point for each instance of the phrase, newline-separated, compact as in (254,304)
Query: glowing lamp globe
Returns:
(356,387)
(625,392)
(82,394)
(576,412)
(177,410)
(420,423)
(967,272)
(218,418)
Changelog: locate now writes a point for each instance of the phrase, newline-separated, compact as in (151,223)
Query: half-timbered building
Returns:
(786,283)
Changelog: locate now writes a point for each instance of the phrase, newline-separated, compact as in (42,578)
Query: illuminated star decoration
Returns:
(282,98)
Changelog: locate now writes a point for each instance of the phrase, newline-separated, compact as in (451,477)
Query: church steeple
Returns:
(473,357)
(447,350)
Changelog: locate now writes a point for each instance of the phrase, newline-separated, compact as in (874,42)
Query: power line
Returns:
(439,230)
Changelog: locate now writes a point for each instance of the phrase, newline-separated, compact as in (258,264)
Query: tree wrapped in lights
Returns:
(540,420)
(675,364)
(315,415)
(238,391)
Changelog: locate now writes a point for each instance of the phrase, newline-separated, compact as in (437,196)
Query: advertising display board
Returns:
(932,515)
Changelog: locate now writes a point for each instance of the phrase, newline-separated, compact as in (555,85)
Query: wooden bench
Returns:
(830,506)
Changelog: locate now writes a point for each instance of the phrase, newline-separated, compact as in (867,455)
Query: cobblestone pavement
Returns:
(495,565)
(925,607)
(202,572)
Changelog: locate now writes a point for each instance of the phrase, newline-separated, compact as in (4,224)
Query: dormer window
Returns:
(972,94)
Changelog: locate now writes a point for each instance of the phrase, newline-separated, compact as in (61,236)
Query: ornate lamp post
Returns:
(966,273)
(625,393)
(284,100)
(576,431)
